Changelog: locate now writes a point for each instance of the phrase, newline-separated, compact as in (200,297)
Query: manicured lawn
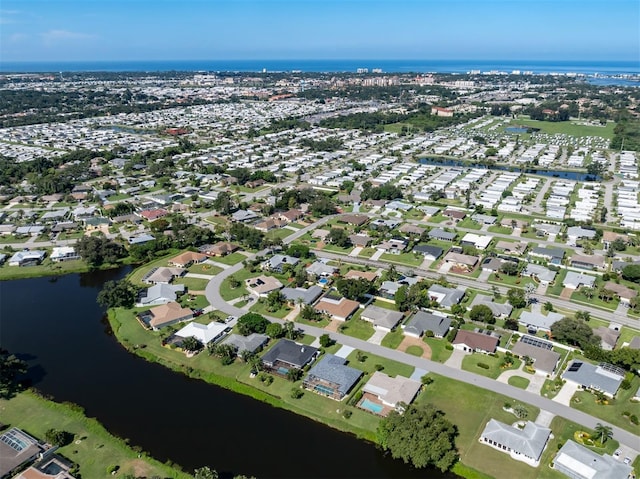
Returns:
(390,367)
(579,297)
(439,351)
(192,284)
(228,293)
(470,224)
(506,280)
(569,128)
(393,339)
(319,324)
(337,249)
(260,307)
(230,259)
(70,235)
(415,350)
(557,287)
(47,268)
(500,230)
(281,233)
(470,363)
(611,412)
(13,239)
(627,334)
(204,268)
(551,388)
(470,408)
(385,305)
(367,252)
(357,328)
(93,448)
(518,382)
(409,259)
(136,276)
(198,301)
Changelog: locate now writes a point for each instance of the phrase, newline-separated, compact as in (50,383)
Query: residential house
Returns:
(445,297)
(17,448)
(27,258)
(353,219)
(286,355)
(411,229)
(186,259)
(574,280)
(221,248)
(462,261)
(604,378)
(383,394)
(477,241)
(278,261)
(624,294)
(492,264)
(421,322)
(429,252)
(332,377)
(535,320)
(499,310)
(203,333)
(340,309)
(578,462)
(140,238)
(441,235)
(484,219)
(608,336)
(160,293)
(545,359)
(575,233)
(320,269)
(270,224)
(609,237)
(162,275)
(252,343)
(393,246)
(587,262)
(508,247)
(262,285)
(360,241)
(42,469)
(243,216)
(153,214)
(540,273)
(472,341)
(368,275)
(552,255)
(454,214)
(388,289)
(382,318)
(63,253)
(306,296)
(165,315)
(524,444)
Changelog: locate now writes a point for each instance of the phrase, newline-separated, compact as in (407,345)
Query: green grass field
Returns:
(230,259)
(47,268)
(569,128)
(93,448)
(389,367)
(192,284)
(439,351)
(393,339)
(518,382)
(471,361)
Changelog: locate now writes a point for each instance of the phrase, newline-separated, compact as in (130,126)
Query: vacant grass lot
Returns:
(471,361)
(230,259)
(96,450)
(408,259)
(611,412)
(192,284)
(47,268)
(204,268)
(569,128)
(389,367)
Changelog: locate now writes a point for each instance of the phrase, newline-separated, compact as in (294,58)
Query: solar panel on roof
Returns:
(574,367)
(539,343)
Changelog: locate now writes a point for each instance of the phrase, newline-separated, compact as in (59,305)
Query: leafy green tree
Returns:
(252,323)
(275,300)
(631,272)
(421,436)
(205,473)
(118,294)
(308,313)
(326,341)
(275,330)
(482,313)
(57,437)
(510,268)
(574,332)
(354,288)
(516,298)
(603,432)
(192,344)
(339,237)
(10,369)
(299,251)
(98,250)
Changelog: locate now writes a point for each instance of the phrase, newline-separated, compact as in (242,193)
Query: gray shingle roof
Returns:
(529,441)
(286,351)
(577,461)
(421,322)
(246,343)
(333,369)
(381,316)
(308,295)
(595,377)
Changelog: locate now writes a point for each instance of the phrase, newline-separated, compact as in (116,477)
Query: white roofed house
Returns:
(27,258)
(63,253)
(203,333)
(524,444)
(578,462)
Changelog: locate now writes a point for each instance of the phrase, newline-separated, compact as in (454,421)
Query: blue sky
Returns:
(74,30)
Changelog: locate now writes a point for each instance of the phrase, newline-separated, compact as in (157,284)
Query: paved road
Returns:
(212,294)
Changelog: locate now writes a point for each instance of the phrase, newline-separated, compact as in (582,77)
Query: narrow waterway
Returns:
(57,326)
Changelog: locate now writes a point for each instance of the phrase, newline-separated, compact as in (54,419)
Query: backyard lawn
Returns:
(230,259)
(389,367)
(192,284)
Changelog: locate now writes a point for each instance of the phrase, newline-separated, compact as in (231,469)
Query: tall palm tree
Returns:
(605,432)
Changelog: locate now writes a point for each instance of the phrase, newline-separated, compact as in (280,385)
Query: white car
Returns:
(627,460)
(230,318)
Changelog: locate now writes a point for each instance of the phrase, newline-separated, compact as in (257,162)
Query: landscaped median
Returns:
(93,448)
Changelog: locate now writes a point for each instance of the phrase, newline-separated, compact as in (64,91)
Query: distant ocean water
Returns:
(387,66)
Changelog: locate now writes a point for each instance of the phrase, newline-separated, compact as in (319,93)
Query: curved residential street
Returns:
(212,293)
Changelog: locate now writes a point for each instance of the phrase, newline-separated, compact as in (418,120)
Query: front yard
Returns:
(471,363)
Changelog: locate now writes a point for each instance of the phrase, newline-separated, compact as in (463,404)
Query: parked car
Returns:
(230,318)
(616,454)
(627,460)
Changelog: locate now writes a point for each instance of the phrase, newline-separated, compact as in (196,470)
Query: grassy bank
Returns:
(93,449)
(48,268)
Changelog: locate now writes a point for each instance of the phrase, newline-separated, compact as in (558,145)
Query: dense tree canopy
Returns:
(10,369)
(516,298)
(422,436)
(117,294)
(252,323)
(354,288)
(574,332)
(98,250)
(482,313)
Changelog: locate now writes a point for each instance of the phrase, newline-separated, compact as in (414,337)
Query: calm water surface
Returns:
(58,327)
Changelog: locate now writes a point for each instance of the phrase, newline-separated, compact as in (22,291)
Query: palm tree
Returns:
(605,432)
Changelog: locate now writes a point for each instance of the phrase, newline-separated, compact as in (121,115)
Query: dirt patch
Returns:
(409,341)
(333,326)
(138,468)
(320,245)
(566,293)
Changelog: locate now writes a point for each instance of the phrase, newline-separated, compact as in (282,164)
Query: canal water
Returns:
(56,325)
(565,175)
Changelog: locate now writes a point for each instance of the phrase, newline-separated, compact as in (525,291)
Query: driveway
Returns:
(426,263)
(377,337)
(356,251)
(544,418)
(455,360)
(504,377)
(536,382)
(566,393)
(444,269)
(333,325)
(484,276)
(376,256)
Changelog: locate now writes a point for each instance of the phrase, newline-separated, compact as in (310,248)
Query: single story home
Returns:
(17,448)
(278,261)
(382,318)
(552,255)
(340,309)
(165,315)
(353,219)
(421,322)
(476,240)
(204,333)
(332,377)
(306,296)
(162,275)
(221,248)
(464,261)
(511,248)
(186,259)
(604,378)
(445,297)
(623,293)
(608,336)
(361,241)
(472,341)
(320,269)
(393,246)
(587,262)
(574,280)
(499,310)
(524,444)
(578,462)
(441,235)
(262,285)
(388,392)
(140,238)
(543,274)
(545,359)
(27,258)
(160,293)
(368,275)
(252,343)
(428,251)
(535,320)
(286,355)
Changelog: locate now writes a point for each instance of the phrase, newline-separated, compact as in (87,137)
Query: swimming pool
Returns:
(371,406)
(323,281)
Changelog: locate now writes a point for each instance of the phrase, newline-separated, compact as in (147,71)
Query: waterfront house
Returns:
(286,355)
(252,343)
(186,259)
(165,315)
(524,444)
(27,258)
(332,377)
(383,394)
(160,293)
(203,333)
(578,462)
